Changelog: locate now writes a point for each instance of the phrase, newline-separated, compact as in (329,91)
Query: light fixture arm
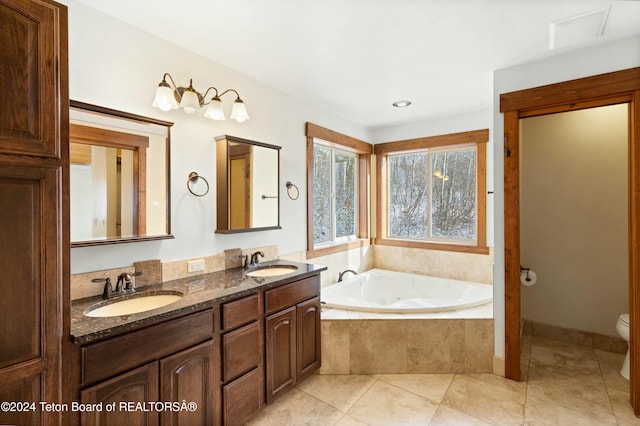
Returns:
(207,92)
(231,90)
(164,80)
(176,93)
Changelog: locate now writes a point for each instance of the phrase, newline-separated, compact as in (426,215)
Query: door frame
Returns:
(599,90)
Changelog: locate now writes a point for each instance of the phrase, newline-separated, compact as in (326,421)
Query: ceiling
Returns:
(356,57)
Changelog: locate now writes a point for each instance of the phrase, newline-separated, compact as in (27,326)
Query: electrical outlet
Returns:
(195,265)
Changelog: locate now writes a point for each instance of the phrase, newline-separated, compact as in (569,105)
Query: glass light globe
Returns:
(239,111)
(189,102)
(164,100)
(214,110)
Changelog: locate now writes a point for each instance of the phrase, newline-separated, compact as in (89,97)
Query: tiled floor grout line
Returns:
(375,380)
(344,413)
(606,386)
(445,394)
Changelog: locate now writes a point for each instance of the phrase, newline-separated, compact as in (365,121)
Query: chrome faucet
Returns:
(127,282)
(341,274)
(254,258)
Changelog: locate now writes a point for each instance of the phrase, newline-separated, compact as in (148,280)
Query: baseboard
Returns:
(498,366)
(578,337)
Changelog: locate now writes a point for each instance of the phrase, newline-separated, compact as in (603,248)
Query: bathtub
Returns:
(379,290)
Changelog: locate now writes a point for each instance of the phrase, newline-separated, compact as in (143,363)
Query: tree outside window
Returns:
(335,201)
(338,170)
(432,195)
(431,192)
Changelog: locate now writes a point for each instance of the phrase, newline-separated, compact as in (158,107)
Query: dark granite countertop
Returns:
(199,293)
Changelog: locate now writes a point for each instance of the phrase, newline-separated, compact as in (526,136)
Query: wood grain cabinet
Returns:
(167,377)
(292,334)
(34,239)
(138,385)
(189,376)
(242,359)
(230,361)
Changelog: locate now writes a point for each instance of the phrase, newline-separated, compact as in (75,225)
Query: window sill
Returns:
(433,246)
(338,247)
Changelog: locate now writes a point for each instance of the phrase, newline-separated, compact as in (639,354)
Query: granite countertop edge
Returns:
(200,292)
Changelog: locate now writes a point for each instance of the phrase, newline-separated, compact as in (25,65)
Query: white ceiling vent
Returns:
(577,29)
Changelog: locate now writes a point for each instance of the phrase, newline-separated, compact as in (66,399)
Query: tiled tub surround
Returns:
(436,263)
(199,292)
(445,342)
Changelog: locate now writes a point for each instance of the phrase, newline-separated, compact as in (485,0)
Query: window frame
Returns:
(363,151)
(477,138)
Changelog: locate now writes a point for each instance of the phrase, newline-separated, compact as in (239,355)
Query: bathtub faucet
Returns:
(341,274)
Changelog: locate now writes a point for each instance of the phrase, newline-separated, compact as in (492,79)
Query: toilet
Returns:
(622,327)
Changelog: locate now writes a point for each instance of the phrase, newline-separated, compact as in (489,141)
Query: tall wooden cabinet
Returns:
(34,217)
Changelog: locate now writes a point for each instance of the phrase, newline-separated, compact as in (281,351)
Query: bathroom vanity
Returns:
(230,345)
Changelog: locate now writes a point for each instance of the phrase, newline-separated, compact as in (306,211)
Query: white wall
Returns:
(586,62)
(115,65)
(573,217)
(473,120)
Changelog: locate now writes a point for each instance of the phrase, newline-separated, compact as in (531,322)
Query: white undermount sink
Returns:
(133,305)
(271,270)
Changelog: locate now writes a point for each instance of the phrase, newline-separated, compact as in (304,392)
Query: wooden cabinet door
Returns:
(33,64)
(281,352)
(242,398)
(34,243)
(190,376)
(241,351)
(308,325)
(31,286)
(139,385)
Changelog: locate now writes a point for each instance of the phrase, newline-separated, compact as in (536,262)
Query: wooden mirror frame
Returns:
(223,156)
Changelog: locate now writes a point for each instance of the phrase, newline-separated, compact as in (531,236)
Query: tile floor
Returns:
(564,384)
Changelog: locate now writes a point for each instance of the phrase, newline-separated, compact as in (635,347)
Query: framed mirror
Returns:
(248,192)
(119,175)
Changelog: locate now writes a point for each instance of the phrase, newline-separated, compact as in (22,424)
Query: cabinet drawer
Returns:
(290,294)
(240,312)
(110,357)
(242,398)
(241,351)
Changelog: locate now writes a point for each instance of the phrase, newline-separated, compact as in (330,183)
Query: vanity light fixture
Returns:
(170,96)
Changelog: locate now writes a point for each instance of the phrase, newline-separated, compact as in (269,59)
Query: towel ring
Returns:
(292,191)
(193,188)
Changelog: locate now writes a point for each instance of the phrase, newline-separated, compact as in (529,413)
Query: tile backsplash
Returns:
(82,286)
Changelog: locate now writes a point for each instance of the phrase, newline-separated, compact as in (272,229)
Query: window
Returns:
(335,201)
(431,192)
(337,168)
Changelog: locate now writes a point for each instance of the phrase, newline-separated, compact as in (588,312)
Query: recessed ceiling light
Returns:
(401,104)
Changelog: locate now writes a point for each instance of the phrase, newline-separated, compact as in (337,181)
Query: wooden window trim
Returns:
(478,138)
(363,150)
